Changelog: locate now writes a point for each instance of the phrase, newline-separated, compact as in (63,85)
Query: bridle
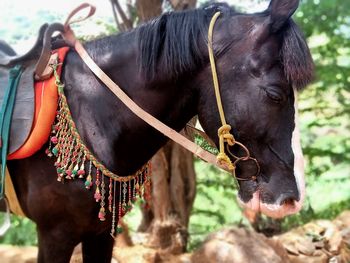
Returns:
(222,160)
(224,133)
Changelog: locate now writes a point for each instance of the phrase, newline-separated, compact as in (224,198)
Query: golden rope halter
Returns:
(224,133)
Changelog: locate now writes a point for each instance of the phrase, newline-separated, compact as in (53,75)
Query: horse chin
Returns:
(255,205)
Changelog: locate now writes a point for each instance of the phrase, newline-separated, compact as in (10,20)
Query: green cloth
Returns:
(5,120)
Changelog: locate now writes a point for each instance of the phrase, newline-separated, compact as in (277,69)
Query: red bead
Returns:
(97,197)
(101,216)
(54,139)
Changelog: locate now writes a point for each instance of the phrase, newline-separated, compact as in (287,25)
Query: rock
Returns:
(331,235)
(343,223)
(291,249)
(306,248)
(169,236)
(323,258)
(296,243)
(319,241)
(14,254)
(345,254)
(237,245)
(334,241)
(319,244)
(134,254)
(142,254)
(343,219)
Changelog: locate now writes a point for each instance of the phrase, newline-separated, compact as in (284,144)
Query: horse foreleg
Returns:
(98,248)
(54,246)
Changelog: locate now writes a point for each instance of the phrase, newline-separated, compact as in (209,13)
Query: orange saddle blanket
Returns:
(46,102)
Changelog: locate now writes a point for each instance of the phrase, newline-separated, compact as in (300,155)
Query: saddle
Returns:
(34,66)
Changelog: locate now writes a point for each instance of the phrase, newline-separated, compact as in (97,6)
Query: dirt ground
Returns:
(15,254)
(320,241)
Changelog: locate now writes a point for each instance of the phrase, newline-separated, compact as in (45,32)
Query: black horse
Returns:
(164,67)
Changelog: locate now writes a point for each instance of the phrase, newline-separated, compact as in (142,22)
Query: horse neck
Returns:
(117,137)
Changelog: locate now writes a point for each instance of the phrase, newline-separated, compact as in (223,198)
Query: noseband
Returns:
(224,133)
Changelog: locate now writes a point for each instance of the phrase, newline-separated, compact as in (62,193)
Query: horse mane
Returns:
(296,58)
(169,44)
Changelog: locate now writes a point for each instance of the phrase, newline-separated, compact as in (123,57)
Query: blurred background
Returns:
(324,119)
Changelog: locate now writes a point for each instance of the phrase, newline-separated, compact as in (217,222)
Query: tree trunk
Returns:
(148,9)
(173,193)
(125,22)
(183,4)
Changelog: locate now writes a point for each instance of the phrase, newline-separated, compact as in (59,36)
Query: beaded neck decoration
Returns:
(74,160)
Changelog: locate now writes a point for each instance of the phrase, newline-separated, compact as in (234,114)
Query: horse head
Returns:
(262,60)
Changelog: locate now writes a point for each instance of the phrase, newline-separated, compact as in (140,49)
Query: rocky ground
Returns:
(320,241)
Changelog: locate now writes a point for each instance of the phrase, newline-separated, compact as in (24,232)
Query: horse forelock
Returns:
(296,58)
(170,45)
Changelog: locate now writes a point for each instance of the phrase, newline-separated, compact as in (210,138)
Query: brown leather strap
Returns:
(68,32)
(77,10)
(136,109)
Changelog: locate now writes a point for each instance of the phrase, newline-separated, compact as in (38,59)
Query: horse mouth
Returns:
(272,210)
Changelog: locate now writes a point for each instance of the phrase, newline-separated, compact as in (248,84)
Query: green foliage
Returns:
(205,145)
(22,232)
(325,105)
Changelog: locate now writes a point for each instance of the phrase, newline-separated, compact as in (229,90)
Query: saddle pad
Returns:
(46,102)
(23,112)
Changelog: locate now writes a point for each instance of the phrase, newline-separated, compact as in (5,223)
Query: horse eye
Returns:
(274,94)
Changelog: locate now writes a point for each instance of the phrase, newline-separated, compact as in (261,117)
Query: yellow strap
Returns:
(224,131)
(213,67)
(11,196)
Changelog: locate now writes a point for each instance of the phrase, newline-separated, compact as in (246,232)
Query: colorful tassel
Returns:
(71,155)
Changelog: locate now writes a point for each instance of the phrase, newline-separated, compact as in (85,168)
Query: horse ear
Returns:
(280,11)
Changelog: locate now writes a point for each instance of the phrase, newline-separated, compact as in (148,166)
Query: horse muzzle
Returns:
(286,204)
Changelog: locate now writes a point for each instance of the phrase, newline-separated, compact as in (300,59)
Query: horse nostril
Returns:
(289,202)
(288,199)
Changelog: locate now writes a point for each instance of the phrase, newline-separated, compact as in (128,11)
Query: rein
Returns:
(222,160)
